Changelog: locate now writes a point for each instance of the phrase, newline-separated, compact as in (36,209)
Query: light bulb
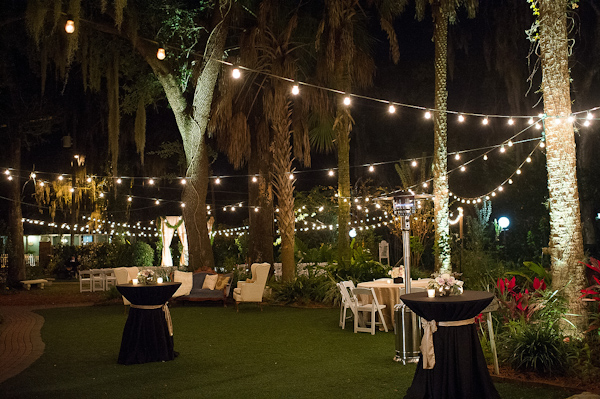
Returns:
(32,175)
(510,181)
(500,188)
(461,118)
(60,178)
(457,156)
(542,144)
(589,116)
(485,157)
(295,91)
(101,195)
(530,121)
(485,121)
(371,168)
(463,168)
(183,204)
(347,100)
(510,143)
(89,179)
(425,184)
(331,173)
(70,26)
(129,199)
(391,109)
(586,123)
(161,54)
(254,179)
(538,126)
(41,184)
(71,190)
(235,73)
(256,208)
(157,202)
(218,180)
(511,121)
(151,182)
(427,115)
(528,159)
(119,181)
(291,177)
(571,119)
(502,149)
(413,163)
(518,171)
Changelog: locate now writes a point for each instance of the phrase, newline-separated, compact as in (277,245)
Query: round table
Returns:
(388,294)
(146,336)
(460,369)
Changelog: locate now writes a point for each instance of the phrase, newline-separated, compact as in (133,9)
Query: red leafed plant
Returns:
(592,293)
(520,303)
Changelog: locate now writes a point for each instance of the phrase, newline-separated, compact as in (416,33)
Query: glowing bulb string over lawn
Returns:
(161,54)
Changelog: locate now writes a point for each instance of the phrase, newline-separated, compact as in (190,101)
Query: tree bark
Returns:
(440,150)
(566,242)
(192,127)
(16,247)
(260,195)
(342,130)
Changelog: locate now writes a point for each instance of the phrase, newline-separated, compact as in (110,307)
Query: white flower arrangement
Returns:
(146,276)
(396,272)
(446,284)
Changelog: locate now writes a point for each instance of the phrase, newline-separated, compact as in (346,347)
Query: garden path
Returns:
(20,338)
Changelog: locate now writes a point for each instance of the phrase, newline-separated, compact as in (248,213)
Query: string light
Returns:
(463,168)
(218,180)
(70,26)
(371,168)
(485,157)
(183,181)
(60,178)
(461,118)
(235,73)
(32,175)
(151,182)
(530,121)
(589,116)
(427,115)
(89,179)
(254,179)
(391,109)
(119,181)
(511,121)
(586,123)
(291,176)
(502,149)
(457,156)
(347,101)
(331,173)
(295,90)
(510,143)
(528,160)
(161,54)
(413,163)
(485,121)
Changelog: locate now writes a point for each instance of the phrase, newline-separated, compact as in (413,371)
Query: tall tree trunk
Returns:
(260,194)
(342,129)
(440,150)
(283,185)
(566,242)
(192,128)
(16,247)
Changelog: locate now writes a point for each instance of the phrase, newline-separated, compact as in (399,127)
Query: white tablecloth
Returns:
(388,294)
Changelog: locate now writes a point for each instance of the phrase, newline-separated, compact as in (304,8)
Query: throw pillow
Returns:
(221,282)
(210,281)
(186,280)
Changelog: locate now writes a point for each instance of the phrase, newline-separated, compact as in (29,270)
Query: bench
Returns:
(29,283)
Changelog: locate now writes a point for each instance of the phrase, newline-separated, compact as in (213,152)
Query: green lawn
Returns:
(278,353)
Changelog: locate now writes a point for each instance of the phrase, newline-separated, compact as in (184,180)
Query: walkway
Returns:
(20,339)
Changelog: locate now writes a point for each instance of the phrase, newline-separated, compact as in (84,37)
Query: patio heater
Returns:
(407,325)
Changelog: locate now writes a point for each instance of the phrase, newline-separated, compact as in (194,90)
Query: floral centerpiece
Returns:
(446,284)
(146,277)
(397,273)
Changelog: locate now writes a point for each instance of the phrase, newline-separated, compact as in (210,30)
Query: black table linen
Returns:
(146,336)
(460,370)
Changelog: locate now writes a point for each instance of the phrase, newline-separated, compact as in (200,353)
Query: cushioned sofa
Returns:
(202,286)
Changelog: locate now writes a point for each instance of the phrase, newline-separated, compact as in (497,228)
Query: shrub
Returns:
(306,289)
(537,347)
(141,254)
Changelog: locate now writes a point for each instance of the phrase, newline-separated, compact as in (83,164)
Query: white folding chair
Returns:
(494,305)
(110,279)
(370,305)
(85,278)
(345,289)
(97,280)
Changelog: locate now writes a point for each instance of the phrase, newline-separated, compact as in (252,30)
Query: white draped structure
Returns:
(167,237)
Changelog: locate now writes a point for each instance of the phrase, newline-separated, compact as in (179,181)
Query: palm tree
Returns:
(345,64)
(566,242)
(270,50)
(443,12)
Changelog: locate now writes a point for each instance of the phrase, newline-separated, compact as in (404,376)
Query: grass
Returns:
(278,353)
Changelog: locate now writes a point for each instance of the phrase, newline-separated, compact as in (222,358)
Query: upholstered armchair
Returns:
(252,290)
